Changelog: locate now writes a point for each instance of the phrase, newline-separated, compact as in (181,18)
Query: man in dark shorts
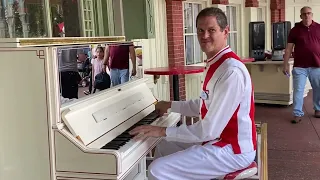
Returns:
(68,69)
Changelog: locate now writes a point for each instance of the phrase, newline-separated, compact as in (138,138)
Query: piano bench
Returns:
(243,173)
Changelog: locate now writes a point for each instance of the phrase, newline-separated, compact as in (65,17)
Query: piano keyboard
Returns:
(125,137)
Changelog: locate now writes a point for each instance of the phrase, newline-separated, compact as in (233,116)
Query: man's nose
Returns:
(206,34)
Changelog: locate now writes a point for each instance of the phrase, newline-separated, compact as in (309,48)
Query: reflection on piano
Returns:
(92,140)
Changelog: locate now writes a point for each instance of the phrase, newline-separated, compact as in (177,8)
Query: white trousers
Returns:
(181,161)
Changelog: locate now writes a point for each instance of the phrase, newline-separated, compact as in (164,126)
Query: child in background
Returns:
(97,65)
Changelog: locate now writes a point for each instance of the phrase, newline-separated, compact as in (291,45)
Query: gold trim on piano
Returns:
(78,137)
(69,40)
(264,152)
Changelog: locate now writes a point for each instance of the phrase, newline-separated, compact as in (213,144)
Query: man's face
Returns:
(82,57)
(210,35)
(306,15)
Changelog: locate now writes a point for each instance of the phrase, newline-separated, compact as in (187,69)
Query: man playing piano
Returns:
(224,139)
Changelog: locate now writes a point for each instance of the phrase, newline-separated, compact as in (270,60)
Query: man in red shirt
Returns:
(305,38)
(117,60)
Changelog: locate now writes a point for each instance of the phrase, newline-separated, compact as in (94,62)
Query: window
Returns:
(193,53)
(65,18)
(260,14)
(233,34)
(22,19)
(87,18)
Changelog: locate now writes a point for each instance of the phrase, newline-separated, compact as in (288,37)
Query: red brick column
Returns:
(224,2)
(252,3)
(175,37)
(277,8)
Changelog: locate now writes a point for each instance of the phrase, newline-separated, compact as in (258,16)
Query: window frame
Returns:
(238,26)
(203,4)
(85,13)
(263,11)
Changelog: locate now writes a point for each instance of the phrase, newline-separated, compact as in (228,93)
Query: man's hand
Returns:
(286,58)
(285,69)
(162,107)
(145,131)
(134,72)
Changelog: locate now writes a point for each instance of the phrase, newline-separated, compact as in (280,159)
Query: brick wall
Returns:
(174,9)
(252,3)
(277,8)
(224,2)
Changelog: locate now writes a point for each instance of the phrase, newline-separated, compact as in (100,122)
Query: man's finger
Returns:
(139,129)
(139,137)
(149,134)
(144,135)
(160,112)
(136,131)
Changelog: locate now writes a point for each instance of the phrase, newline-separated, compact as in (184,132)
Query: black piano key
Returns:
(143,123)
(113,144)
(125,137)
(122,139)
(113,147)
(153,115)
(117,142)
(110,147)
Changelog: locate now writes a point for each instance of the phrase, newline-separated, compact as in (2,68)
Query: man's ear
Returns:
(226,30)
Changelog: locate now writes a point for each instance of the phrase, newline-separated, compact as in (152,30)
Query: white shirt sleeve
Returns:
(227,95)
(186,108)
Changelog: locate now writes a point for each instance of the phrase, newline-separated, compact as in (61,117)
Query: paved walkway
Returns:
(293,149)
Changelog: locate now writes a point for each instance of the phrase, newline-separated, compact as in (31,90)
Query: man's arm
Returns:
(92,75)
(106,59)
(186,108)
(227,96)
(288,51)
(132,53)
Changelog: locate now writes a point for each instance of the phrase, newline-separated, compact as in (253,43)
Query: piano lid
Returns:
(89,119)
(58,41)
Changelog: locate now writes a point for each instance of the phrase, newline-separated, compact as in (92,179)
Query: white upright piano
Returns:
(84,139)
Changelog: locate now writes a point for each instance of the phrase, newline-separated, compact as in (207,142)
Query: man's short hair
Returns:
(81,51)
(303,8)
(216,12)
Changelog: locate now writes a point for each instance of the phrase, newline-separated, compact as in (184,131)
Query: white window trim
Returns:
(263,13)
(204,4)
(83,6)
(266,19)
(238,26)
(100,20)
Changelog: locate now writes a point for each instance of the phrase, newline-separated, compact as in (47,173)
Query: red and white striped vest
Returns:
(242,117)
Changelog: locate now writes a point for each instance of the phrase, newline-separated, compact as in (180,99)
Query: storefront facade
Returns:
(165,28)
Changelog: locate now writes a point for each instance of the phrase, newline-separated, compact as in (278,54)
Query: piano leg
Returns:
(139,172)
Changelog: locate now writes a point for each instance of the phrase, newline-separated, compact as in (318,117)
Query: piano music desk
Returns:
(174,72)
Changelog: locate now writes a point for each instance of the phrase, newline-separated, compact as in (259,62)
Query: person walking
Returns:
(304,37)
